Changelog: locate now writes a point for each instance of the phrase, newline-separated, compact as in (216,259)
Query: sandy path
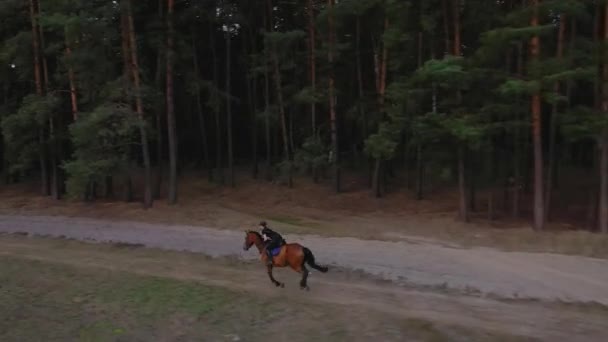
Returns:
(505,274)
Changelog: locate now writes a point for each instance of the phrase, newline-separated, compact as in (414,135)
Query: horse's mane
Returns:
(256,233)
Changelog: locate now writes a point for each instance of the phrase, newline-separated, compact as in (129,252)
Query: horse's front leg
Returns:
(274,281)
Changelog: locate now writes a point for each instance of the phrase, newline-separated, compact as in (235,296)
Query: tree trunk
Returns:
(45,67)
(55,191)
(313,77)
(517,147)
(254,126)
(159,131)
(313,72)
(419,173)
(377,178)
(72,79)
(380,68)
(332,100)
(292,145)
(108,188)
(462,186)
(172,132)
(199,108)
(539,212)
(446,26)
(267,120)
(5,165)
(592,211)
(457,43)
(159,112)
(216,107)
(36,46)
(277,81)
(491,214)
(252,95)
(569,88)
(419,166)
(553,123)
(267,19)
(472,184)
(201,115)
(44,184)
(280,103)
(53,144)
(603,205)
(229,112)
(362,112)
(73,99)
(126,59)
(44,174)
(128,192)
(140,110)
(603,169)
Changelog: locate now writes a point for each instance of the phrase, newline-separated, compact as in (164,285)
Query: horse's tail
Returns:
(309,258)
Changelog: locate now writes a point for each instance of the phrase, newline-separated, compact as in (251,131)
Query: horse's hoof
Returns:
(305,288)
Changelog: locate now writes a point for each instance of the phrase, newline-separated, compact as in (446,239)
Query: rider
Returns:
(272,240)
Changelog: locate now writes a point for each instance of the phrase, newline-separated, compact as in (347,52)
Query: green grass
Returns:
(44,301)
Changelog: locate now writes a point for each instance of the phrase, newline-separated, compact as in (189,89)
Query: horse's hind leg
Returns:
(303,284)
(274,281)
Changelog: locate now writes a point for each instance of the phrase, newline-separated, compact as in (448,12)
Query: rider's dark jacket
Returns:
(275,239)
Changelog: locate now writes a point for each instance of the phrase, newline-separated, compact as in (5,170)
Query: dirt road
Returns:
(480,270)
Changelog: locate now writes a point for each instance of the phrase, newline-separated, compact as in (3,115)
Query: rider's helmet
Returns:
(263,224)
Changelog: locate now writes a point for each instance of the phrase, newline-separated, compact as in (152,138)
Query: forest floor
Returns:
(315,210)
(68,290)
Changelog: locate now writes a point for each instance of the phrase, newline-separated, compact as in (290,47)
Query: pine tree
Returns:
(172,133)
(452,94)
(148,199)
(603,206)
(331,45)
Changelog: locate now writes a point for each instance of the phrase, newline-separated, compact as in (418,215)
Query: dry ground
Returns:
(60,290)
(419,274)
(314,209)
(479,271)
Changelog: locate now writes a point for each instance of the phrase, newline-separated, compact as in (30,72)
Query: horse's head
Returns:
(251,238)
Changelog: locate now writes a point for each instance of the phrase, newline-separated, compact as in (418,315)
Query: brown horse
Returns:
(292,254)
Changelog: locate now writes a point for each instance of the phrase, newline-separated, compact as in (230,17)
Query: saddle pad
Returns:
(276,251)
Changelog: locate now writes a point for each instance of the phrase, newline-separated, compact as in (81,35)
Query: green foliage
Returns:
(588,74)
(313,154)
(17,50)
(351,7)
(580,123)
(307,95)
(23,131)
(383,144)
(465,128)
(445,73)
(102,141)
(517,87)
(433,100)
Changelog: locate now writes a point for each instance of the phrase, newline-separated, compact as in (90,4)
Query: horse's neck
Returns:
(259,244)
